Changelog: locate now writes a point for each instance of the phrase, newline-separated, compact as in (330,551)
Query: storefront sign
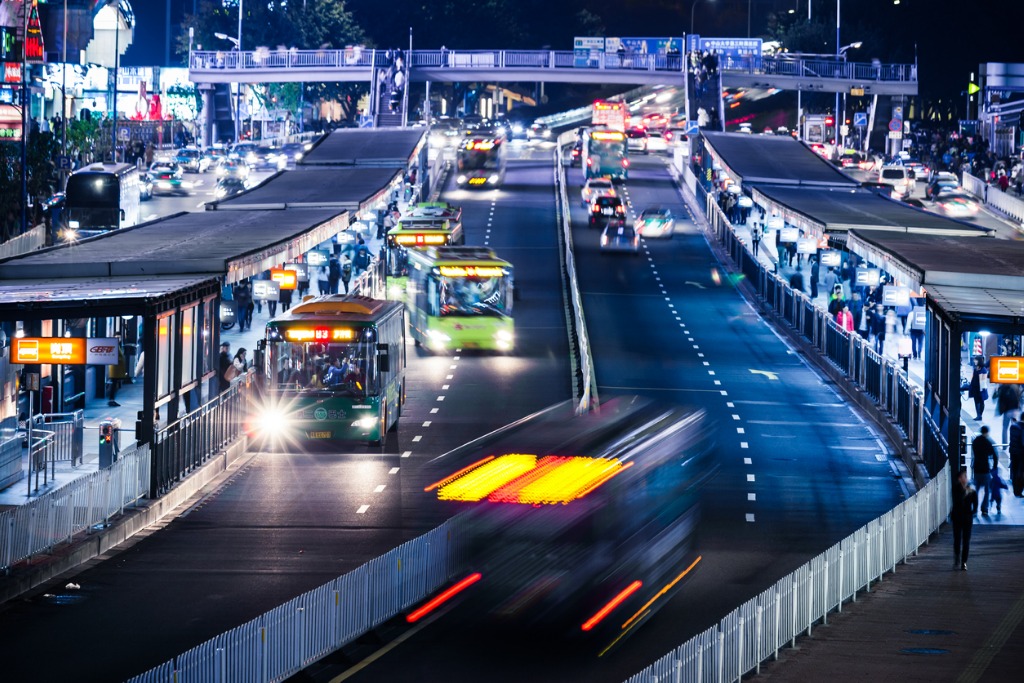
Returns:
(266,290)
(1006,369)
(10,123)
(831,258)
(317,257)
(806,245)
(789,234)
(896,296)
(301,271)
(12,72)
(65,350)
(867,277)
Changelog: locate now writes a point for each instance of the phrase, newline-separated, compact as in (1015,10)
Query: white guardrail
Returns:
(58,516)
(288,638)
(1004,202)
(588,393)
(760,627)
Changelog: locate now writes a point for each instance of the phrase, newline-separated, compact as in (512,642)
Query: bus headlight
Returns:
(365,423)
(461,179)
(503,339)
(493,179)
(273,422)
(438,340)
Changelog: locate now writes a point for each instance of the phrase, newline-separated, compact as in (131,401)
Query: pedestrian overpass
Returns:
(546,66)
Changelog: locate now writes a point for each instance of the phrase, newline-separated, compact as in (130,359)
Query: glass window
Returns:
(470,296)
(188,345)
(345,369)
(165,328)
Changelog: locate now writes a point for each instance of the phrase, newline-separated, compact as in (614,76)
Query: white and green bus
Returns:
(460,297)
(430,224)
(333,369)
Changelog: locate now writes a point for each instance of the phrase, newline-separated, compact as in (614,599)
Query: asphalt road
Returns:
(798,469)
(200,192)
(284,523)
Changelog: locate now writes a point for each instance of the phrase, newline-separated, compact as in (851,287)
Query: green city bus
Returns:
(428,224)
(460,297)
(605,154)
(333,369)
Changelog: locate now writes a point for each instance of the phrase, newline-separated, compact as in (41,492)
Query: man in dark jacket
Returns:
(984,450)
(223,363)
(965,505)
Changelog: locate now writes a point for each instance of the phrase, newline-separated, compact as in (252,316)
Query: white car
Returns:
(656,143)
(899,178)
(655,221)
(636,140)
(597,187)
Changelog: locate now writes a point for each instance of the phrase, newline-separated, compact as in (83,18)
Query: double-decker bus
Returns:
(333,369)
(582,524)
(605,154)
(99,198)
(429,224)
(460,297)
(481,160)
(611,115)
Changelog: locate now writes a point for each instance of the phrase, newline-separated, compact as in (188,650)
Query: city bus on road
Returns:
(460,297)
(605,154)
(480,161)
(333,370)
(99,198)
(429,224)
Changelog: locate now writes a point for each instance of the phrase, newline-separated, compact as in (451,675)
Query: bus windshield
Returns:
(93,191)
(473,296)
(615,149)
(343,369)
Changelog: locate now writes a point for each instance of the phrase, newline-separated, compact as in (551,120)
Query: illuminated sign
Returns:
(471,271)
(867,276)
(34,38)
(608,135)
(421,239)
(265,290)
(1006,369)
(286,279)
(481,145)
(12,72)
(319,334)
(10,123)
(831,258)
(65,350)
(317,257)
(528,480)
(477,181)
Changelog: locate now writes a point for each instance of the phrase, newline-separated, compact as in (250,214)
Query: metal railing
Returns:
(364,60)
(760,627)
(56,517)
(1004,202)
(184,445)
(283,641)
(68,430)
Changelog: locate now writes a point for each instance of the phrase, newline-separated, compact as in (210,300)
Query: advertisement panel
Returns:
(65,350)
(1006,370)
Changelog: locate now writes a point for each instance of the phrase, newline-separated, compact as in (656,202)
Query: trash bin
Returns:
(110,441)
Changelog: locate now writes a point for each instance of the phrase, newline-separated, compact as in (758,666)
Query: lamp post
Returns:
(842,55)
(63,86)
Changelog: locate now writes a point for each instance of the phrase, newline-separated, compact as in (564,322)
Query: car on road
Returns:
(958,205)
(576,154)
(655,221)
(538,132)
(229,186)
(597,187)
(606,211)
(166,177)
(267,158)
(620,237)
(636,140)
(230,166)
(244,150)
(294,151)
(656,142)
(677,137)
(942,182)
(899,178)
(192,160)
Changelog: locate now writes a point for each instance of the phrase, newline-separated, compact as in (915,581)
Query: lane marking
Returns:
(380,488)
(741,430)
(751,477)
(735,417)
(434,410)
(393,470)
(417,438)
(362,509)
(427,423)
(730,404)
(744,444)
(750,516)
(440,398)
(449,376)
(445,387)
(751,496)
(406,454)
(748,461)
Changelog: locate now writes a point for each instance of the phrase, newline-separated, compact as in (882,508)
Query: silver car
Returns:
(620,237)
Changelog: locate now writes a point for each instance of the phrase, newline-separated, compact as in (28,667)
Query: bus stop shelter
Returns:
(970,285)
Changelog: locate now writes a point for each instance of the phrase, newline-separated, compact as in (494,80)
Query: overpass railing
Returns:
(760,627)
(288,638)
(56,517)
(364,59)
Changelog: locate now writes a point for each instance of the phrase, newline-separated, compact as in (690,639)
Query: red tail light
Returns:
(590,162)
(625,163)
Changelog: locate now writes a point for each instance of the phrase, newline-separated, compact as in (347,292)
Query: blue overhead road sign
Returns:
(860,118)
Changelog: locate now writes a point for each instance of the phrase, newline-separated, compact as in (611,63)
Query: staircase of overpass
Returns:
(551,66)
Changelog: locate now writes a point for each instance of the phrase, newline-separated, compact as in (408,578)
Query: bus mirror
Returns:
(384,362)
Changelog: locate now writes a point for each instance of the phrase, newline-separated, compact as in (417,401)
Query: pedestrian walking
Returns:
(996,486)
(1007,400)
(978,389)
(815,276)
(1016,448)
(286,299)
(876,327)
(755,236)
(917,322)
(361,258)
(323,279)
(242,294)
(796,280)
(225,367)
(334,275)
(844,318)
(965,506)
(346,272)
(985,462)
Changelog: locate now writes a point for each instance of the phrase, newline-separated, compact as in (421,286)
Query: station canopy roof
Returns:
(773,160)
(841,209)
(235,244)
(347,188)
(969,278)
(396,147)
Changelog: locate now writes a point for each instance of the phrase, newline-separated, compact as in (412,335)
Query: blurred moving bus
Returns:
(333,369)
(460,297)
(605,154)
(429,224)
(100,198)
(583,523)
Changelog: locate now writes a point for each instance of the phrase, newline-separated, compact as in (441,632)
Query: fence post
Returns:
(721,655)
(219,666)
(867,563)
(757,638)
(778,618)
(824,608)
(794,629)
(810,600)
(739,651)
(841,567)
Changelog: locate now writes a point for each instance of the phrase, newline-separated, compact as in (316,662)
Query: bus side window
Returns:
(433,299)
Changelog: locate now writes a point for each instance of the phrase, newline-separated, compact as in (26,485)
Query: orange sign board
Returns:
(287,279)
(43,350)
(1006,369)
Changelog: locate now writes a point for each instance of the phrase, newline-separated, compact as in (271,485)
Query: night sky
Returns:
(951,37)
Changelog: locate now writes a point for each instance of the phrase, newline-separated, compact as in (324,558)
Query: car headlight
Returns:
(546,133)
(69,235)
(493,179)
(73,225)
(365,423)
(461,179)
(517,129)
(220,192)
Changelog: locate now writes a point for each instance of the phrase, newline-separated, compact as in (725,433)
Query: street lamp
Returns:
(693,8)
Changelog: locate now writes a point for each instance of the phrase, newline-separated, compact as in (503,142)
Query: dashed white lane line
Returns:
(751,496)
(406,454)
(449,376)
(718,382)
(417,438)
(452,367)
(735,416)
(440,398)
(380,488)
(751,478)
(741,430)
(730,404)
(750,516)
(706,363)
(427,423)
(725,393)
(362,509)
(744,444)
(434,410)
(445,387)
(748,461)
(456,358)
(393,470)
(711,372)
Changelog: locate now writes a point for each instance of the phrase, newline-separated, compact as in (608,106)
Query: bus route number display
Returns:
(320,334)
